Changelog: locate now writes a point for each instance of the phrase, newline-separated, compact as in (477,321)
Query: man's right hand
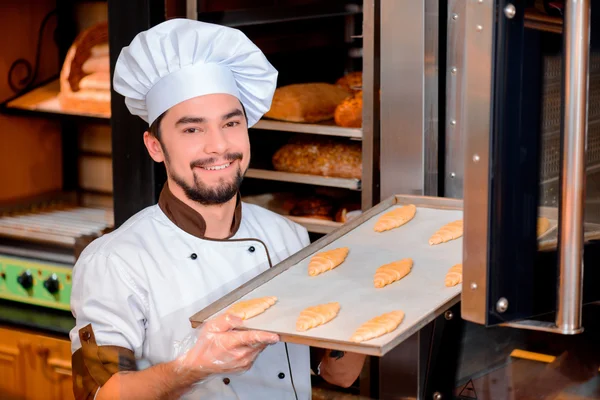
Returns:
(220,348)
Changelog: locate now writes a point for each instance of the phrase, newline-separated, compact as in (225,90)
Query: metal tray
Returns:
(421,295)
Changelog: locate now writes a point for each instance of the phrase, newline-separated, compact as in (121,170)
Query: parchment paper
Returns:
(419,294)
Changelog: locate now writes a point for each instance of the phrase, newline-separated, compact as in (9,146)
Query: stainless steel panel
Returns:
(575,108)
(453,180)
(402,97)
(371,85)
(478,49)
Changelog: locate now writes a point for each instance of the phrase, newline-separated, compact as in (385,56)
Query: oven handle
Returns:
(574,108)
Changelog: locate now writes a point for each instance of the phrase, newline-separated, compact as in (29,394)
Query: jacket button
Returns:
(281,375)
(226,381)
(86,335)
(251,249)
(194,256)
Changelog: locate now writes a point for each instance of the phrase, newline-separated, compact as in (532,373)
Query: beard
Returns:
(201,193)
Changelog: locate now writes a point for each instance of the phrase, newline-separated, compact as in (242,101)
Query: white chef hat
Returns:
(180,59)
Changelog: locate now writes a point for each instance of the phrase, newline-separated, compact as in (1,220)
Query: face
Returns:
(205,147)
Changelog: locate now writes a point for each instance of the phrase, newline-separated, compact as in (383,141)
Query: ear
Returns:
(154,147)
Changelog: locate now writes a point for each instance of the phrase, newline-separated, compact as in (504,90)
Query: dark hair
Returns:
(155,126)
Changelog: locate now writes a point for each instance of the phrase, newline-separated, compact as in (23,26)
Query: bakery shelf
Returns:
(275,203)
(326,128)
(345,183)
(542,22)
(44,101)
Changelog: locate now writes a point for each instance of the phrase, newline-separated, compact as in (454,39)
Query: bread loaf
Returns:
(95,81)
(313,207)
(96,64)
(308,102)
(320,157)
(349,113)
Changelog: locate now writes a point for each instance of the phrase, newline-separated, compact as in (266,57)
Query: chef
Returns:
(200,87)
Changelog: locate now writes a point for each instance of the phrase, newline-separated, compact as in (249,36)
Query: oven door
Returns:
(513,73)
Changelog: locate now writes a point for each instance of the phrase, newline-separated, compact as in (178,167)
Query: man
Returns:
(199,86)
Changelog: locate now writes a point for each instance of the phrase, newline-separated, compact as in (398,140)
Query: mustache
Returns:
(230,157)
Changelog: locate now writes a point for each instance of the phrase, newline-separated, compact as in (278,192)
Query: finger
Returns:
(223,323)
(254,338)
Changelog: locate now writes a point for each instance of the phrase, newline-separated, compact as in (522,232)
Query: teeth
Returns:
(218,167)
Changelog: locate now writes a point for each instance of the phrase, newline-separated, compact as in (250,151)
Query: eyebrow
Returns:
(190,120)
(235,113)
(200,120)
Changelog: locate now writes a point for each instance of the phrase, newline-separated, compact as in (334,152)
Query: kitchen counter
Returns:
(44,320)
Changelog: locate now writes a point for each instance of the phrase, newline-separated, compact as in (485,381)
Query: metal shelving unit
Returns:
(327,128)
(345,183)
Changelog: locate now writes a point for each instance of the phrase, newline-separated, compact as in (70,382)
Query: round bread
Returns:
(349,113)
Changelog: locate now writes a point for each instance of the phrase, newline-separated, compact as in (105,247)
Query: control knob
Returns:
(51,284)
(25,280)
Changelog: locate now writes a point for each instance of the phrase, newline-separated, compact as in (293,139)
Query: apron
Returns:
(181,275)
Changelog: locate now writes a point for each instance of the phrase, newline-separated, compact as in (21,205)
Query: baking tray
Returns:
(421,295)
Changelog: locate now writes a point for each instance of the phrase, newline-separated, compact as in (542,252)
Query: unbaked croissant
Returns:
(327,260)
(395,218)
(314,316)
(250,308)
(448,232)
(454,275)
(378,326)
(392,272)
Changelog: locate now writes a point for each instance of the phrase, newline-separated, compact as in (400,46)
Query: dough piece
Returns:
(247,309)
(378,326)
(392,272)
(543,224)
(314,316)
(306,102)
(327,260)
(454,275)
(395,218)
(448,232)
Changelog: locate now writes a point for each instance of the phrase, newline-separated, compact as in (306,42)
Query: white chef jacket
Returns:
(139,285)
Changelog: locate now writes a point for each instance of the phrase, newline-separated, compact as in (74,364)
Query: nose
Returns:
(216,142)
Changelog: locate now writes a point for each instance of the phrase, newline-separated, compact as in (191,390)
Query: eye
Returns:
(191,130)
(231,124)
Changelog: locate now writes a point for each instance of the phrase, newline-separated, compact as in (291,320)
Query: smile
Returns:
(217,167)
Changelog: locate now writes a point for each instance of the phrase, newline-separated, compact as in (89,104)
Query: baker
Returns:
(200,87)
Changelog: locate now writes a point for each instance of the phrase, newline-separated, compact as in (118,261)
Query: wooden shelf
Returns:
(542,22)
(44,100)
(326,128)
(344,183)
